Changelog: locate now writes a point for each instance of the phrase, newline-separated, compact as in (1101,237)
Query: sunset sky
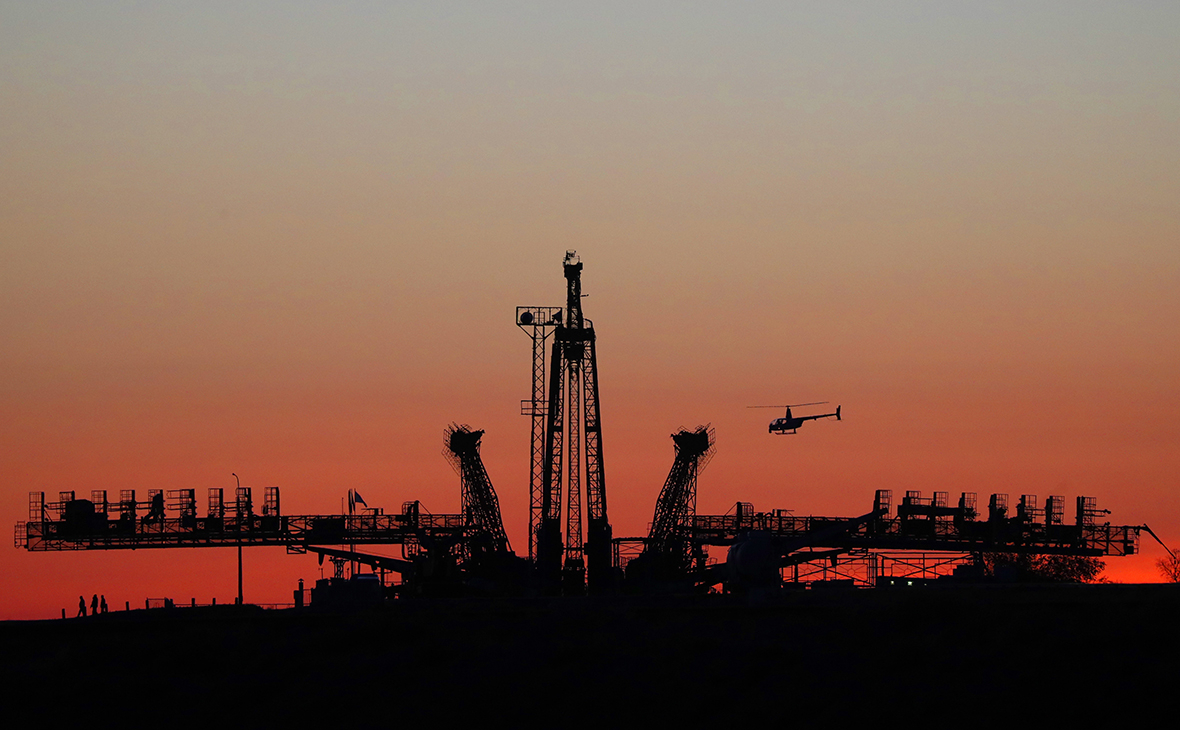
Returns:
(287,240)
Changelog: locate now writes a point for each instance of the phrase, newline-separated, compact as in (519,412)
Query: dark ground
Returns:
(925,656)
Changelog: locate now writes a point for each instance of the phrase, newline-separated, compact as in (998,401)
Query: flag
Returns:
(358,497)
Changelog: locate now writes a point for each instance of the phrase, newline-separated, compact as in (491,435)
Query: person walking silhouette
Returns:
(81,607)
(102,603)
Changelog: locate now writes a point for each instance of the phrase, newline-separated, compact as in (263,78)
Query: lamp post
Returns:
(236,501)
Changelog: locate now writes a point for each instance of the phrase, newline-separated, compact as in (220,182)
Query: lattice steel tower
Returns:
(566,440)
(672,525)
(481,508)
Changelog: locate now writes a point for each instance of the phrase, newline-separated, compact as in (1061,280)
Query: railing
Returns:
(933,533)
(155,604)
(97,532)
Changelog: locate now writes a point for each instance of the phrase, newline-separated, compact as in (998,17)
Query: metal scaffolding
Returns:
(75,524)
(567,446)
(918,539)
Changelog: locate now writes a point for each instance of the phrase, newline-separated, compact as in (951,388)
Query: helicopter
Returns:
(790,423)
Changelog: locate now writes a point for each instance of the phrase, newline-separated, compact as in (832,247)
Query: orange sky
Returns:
(288,243)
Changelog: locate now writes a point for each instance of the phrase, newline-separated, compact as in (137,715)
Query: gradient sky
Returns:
(287,239)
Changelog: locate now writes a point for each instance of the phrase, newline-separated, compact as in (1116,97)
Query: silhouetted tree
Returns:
(1025,568)
(1169,568)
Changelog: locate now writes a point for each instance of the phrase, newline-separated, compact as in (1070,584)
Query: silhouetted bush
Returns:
(1169,568)
(1024,568)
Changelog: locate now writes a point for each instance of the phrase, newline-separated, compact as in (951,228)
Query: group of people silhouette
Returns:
(97,605)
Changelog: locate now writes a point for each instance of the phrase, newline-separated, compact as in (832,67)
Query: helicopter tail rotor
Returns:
(837,413)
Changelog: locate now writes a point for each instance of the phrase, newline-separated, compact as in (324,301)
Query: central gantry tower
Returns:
(566,444)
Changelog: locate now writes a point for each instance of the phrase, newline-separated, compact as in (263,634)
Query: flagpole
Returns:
(352,513)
